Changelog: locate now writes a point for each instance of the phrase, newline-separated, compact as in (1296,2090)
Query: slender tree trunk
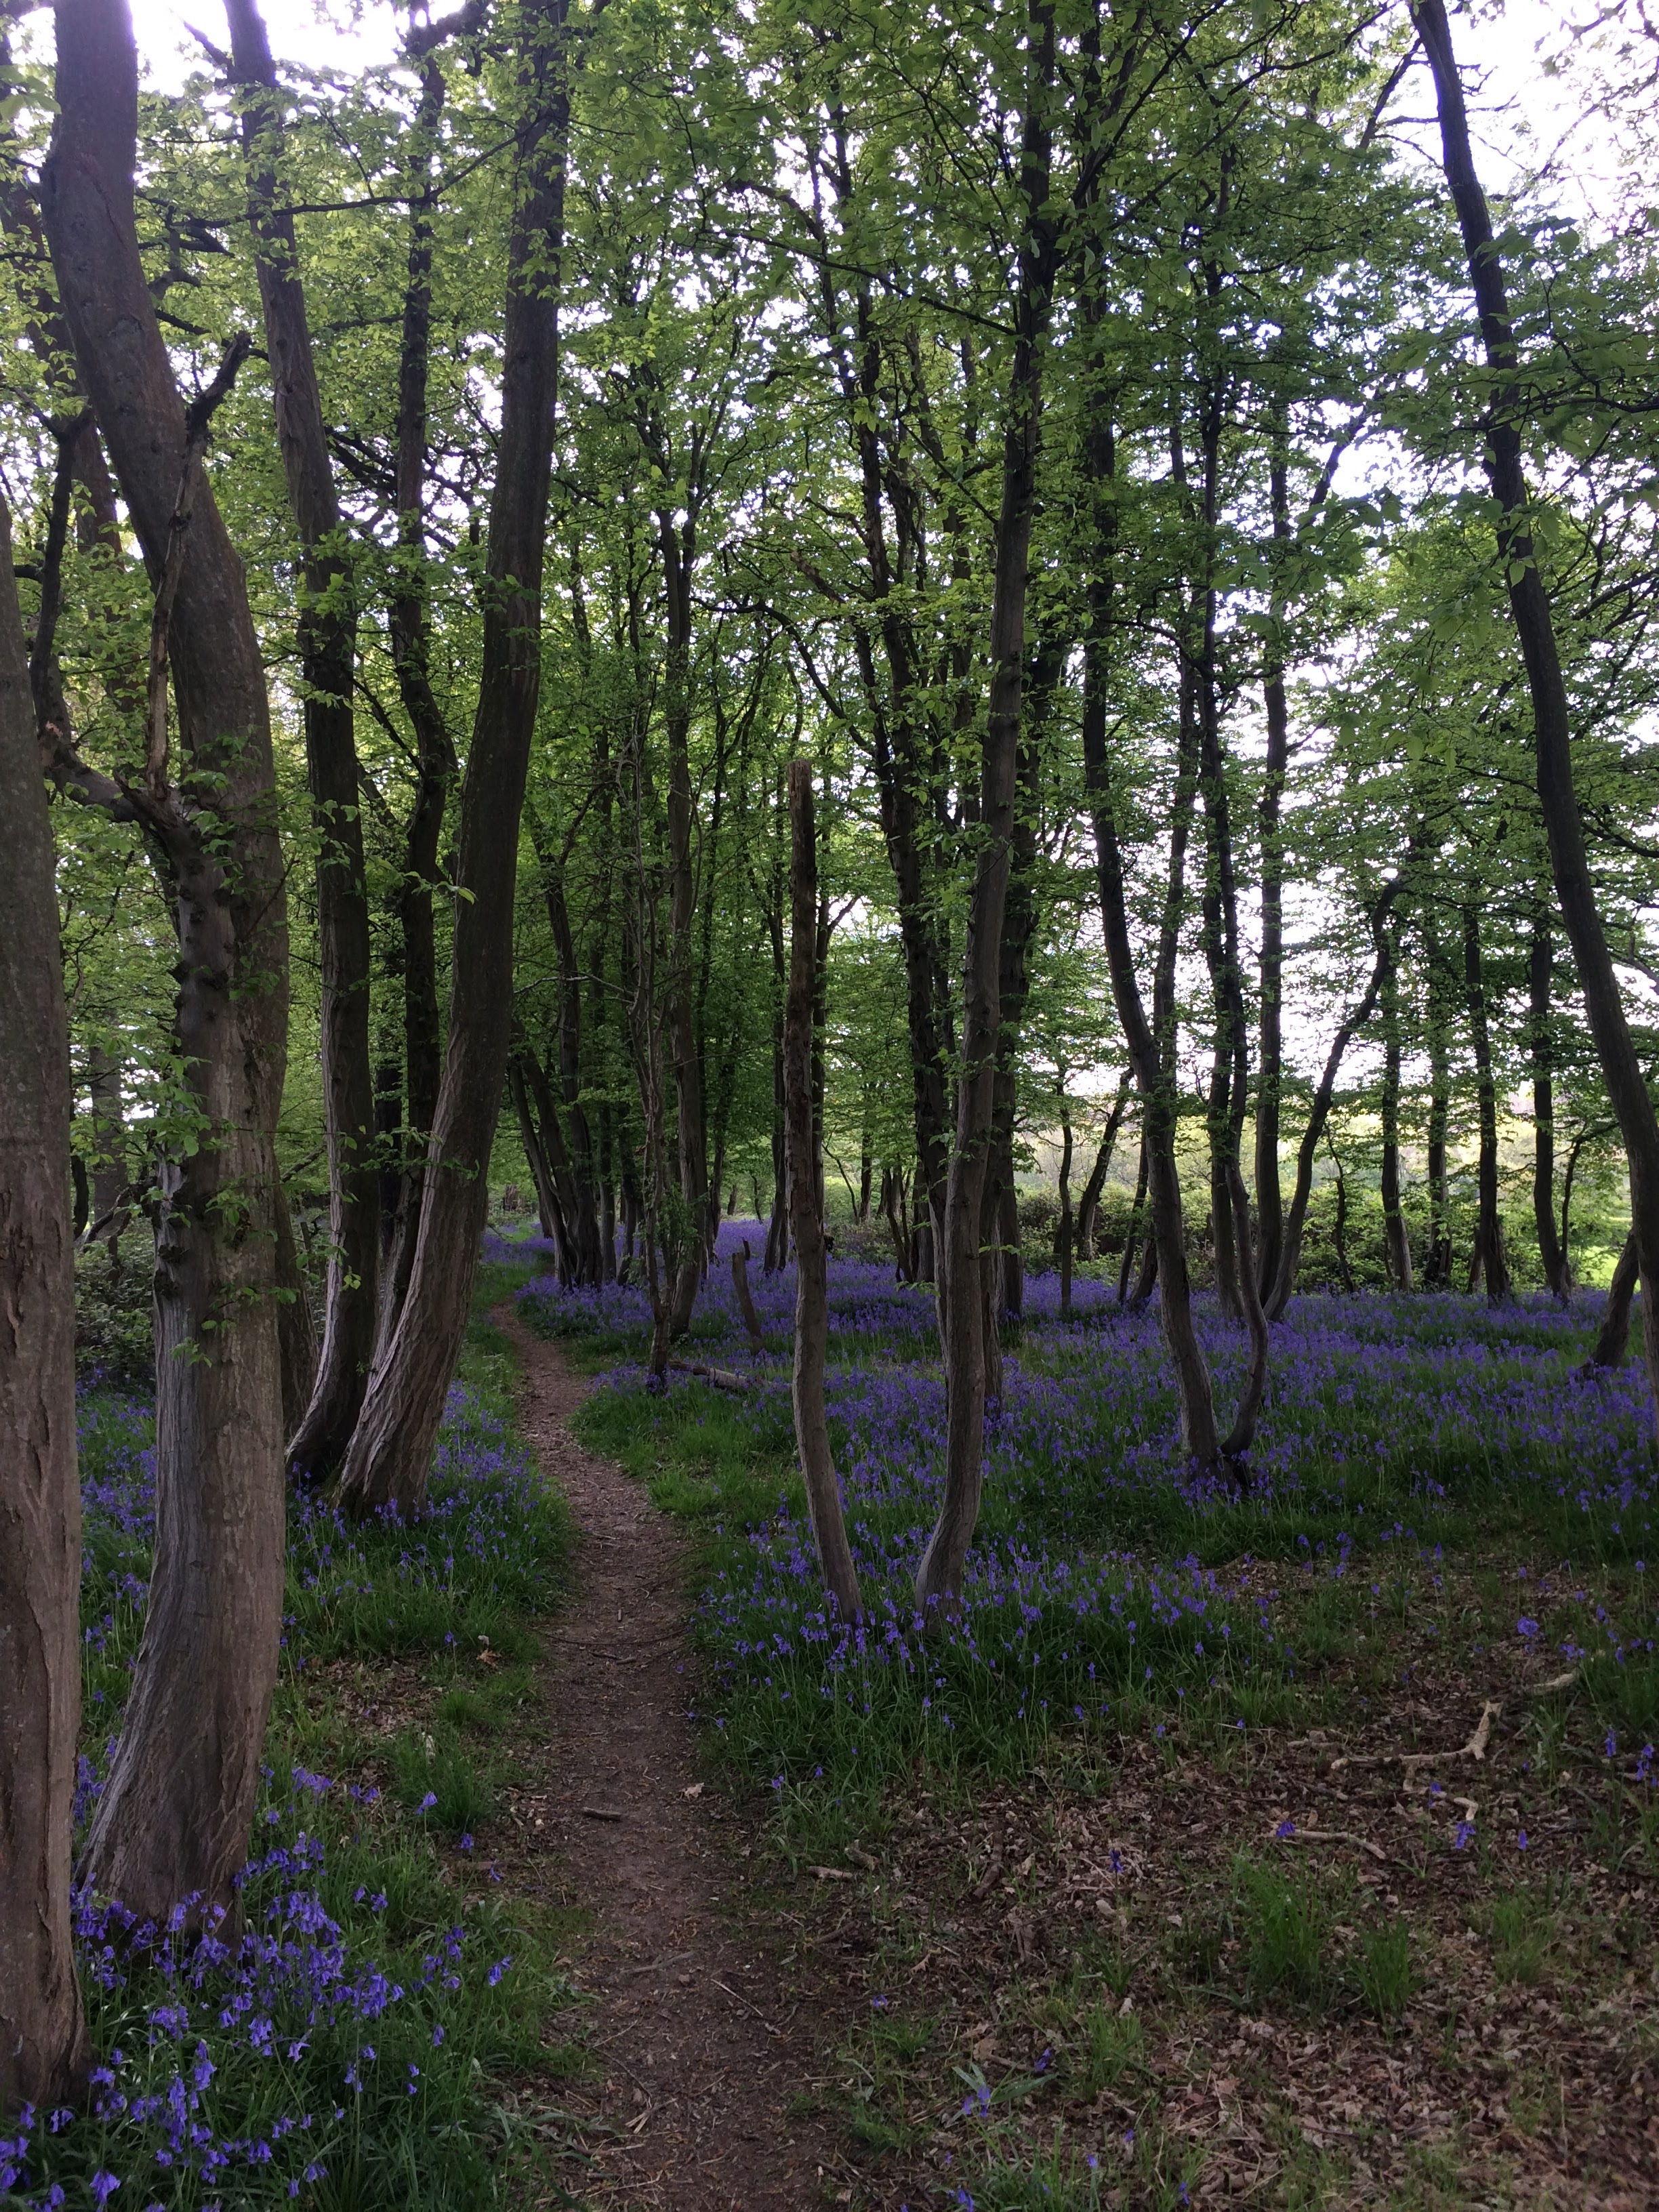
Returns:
(1150,1044)
(751,1326)
(1088,1206)
(296,1331)
(1137,1211)
(1551,1250)
(1437,1273)
(111,1210)
(327,629)
(42,2037)
(1489,1232)
(391,1452)
(410,626)
(679,1020)
(1614,1333)
(1530,607)
(939,1578)
(1270,1073)
(1396,1236)
(1063,1234)
(1319,1112)
(811,1294)
(173,1818)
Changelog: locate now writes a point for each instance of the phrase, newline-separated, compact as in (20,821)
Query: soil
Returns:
(704,2040)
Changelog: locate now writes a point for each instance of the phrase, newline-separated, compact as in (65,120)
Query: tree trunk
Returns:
(111,1210)
(1270,1073)
(43,2037)
(939,1578)
(1088,1206)
(1396,1236)
(1614,1333)
(1489,1258)
(679,1021)
(391,1452)
(327,632)
(1063,1234)
(173,1818)
(296,1331)
(409,625)
(1530,607)
(751,1326)
(1150,1043)
(1137,1212)
(1550,1252)
(1436,1272)
(806,1221)
(1319,1112)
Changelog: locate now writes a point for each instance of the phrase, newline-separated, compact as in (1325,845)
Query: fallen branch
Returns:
(739,1998)
(1475,1748)
(831,1874)
(723,1378)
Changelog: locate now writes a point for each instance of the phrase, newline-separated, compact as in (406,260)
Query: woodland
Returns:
(926,735)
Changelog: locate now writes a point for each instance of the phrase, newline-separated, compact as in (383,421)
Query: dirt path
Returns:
(702,2038)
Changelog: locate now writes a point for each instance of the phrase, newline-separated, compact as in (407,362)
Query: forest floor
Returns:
(701,2037)
(1393,1944)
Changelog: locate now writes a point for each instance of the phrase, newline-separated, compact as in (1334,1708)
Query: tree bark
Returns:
(1535,626)
(1063,1233)
(939,1578)
(391,1451)
(327,631)
(173,1821)
(409,624)
(1319,1112)
(1436,1272)
(1270,1071)
(1396,1236)
(806,1218)
(1541,1040)
(1613,1335)
(1088,1205)
(1489,1256)
(296,1331)
(42,2037)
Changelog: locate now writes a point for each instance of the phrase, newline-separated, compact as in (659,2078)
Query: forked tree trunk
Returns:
(939,1578)
(1541,1040)
(1534,627)
(173,1818)
(818,1467)
(43,2037)
(327,629)
(391,1453)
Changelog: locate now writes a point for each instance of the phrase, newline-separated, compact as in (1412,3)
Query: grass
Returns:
(1443,1513)
(349,2047)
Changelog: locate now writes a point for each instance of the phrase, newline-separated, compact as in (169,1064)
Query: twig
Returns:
(1336,1835)
(602,1813)
(1475,1748)
(747,2007)
(993,1867)
(831,1874)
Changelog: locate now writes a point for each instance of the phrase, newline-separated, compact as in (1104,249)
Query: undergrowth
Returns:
(341,2041)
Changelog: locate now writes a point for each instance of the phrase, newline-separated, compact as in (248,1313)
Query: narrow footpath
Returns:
(704,2039)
